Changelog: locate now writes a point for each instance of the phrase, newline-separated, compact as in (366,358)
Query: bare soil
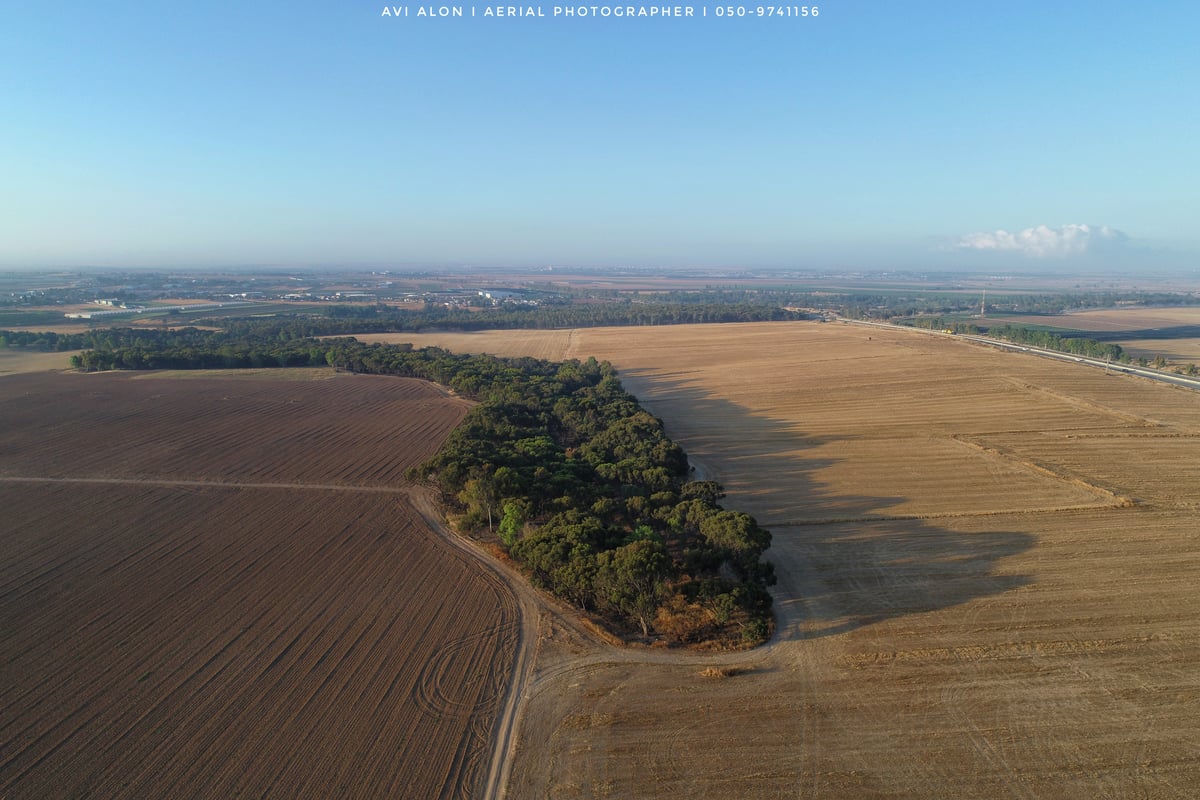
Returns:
(220,588)
(987,568)
(356,430)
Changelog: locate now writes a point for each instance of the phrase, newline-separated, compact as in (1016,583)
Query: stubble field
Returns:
(987,572)
(13,361)
(220,587)
(1145,327)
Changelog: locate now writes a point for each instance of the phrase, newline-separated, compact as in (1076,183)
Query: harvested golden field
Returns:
(1173,332)
(1175,351)
(1118,319)
(549,344)
(987,569)
(222,588)
(16,361)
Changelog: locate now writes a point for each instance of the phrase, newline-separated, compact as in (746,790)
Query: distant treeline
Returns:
(51,341)
(385,319)
(1038,337)
(621,307)
(939,324)
(345,320)
(905,303)
(577,481)
(1047,340)
(265,344)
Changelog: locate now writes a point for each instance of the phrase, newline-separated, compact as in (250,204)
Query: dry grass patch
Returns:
(15,361)
(1176,351)
(719,672)
(553,345)
(1117,319)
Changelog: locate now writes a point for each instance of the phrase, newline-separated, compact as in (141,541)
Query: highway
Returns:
(1128,369)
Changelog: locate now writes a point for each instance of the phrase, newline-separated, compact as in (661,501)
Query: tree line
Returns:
(348,320)
(557,464)
(1048,340)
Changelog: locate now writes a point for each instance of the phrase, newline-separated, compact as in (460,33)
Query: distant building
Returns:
(496,295)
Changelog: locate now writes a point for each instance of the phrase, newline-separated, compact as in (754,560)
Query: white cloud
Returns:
(1046,242)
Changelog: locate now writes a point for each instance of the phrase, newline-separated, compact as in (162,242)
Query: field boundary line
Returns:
(1086,405)
(512,704)
(1013,458)
(203,484)
(1120,504)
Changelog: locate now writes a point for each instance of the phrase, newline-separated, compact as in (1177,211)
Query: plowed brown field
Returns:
(988,565)
(218,588)
(354,430)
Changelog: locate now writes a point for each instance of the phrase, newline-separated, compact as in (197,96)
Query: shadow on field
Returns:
(1164,333)
(842,564)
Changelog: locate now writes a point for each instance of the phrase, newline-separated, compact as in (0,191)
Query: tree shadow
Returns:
(1162,333)
(842,562)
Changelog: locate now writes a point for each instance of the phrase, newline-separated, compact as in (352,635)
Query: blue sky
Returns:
(877,135)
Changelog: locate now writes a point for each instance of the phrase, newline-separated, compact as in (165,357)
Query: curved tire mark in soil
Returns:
(433,692)
(512,700)
(530,603)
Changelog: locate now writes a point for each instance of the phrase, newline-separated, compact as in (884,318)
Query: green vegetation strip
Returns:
(1048,340)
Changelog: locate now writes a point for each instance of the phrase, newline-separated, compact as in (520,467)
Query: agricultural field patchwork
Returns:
(1172,333)
(220,587)
(986,569)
